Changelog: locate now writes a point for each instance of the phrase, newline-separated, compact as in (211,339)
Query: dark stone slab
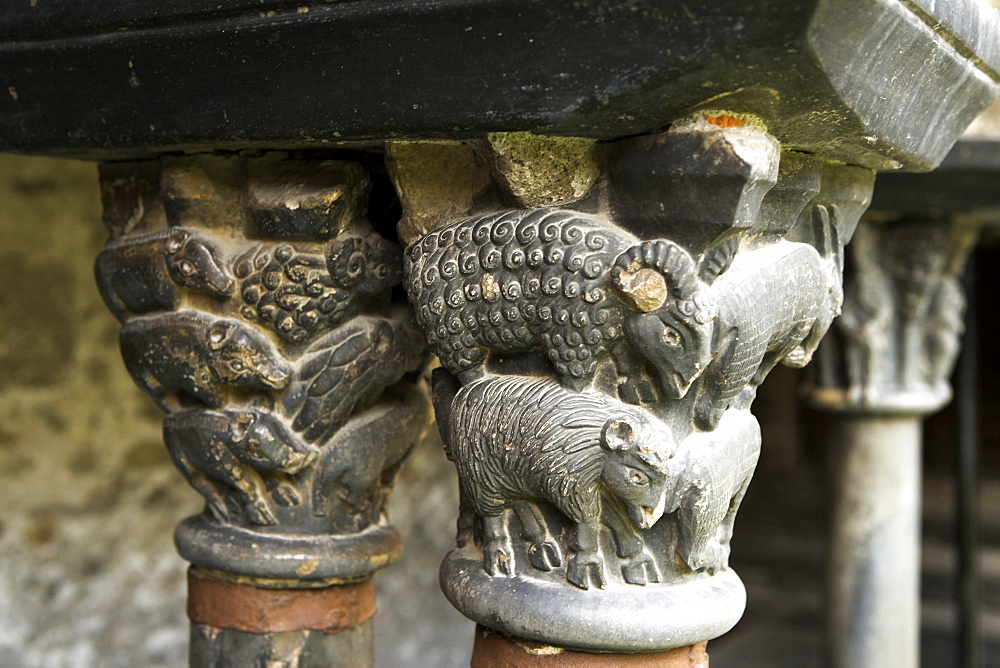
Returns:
(877,83)
(967,182)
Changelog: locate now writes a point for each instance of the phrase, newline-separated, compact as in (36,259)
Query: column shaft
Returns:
(884,367)
(495,650)
(874,573)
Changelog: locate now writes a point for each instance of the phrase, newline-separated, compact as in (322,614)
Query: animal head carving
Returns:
(259,440)
(636,467)
(670,326)
(241,356)
(193,264)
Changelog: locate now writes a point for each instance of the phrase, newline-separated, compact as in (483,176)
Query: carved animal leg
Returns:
(638,567)
(465,525)
(283,490)
(801,355)
(498,551)
(223,465)
(724,534)
(250,486)
(330,473)
(586,566)
(215,497)
(698,519)
(636,387)
(542,549)
(709,407)
(868,358)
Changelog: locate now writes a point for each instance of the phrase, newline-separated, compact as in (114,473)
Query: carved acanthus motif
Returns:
(599,361)
(256,308)
(896,343)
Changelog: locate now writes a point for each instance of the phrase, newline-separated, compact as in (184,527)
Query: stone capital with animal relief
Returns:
(255,297)
(600,350)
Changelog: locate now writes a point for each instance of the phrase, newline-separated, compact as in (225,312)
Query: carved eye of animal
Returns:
(236,365)
(670,336)
(186,267)
(638,477)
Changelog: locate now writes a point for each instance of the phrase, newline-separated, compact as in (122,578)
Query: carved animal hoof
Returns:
(218,510)
(640,570)
(498,558)
(797,358)
(715,558)
(544,556)
(286,495)
(584,570)
(260,513)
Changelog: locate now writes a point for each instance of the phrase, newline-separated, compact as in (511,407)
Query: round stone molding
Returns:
(659,616)
(237,550)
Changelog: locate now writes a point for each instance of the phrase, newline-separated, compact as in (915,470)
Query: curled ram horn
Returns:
(650,272)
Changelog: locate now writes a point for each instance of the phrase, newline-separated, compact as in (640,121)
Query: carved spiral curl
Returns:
(673,262)
(521,276)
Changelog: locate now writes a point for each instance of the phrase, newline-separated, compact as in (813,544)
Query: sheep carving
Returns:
(571,285)
(516,439)
(774,305)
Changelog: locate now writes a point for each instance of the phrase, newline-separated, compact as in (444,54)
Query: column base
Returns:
(233,549)
(493,650)
(659,616)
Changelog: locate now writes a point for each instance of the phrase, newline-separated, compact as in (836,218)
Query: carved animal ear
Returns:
(644,290)
(176,240)
(217,335)
(718,259)
(241,424)
(618,434)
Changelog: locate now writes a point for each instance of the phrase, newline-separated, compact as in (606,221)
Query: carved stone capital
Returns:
(601,340)
(895,345)
(255,300)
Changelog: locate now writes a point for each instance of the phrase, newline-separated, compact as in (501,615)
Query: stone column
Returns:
(255,298)
(883,368)
(603,314)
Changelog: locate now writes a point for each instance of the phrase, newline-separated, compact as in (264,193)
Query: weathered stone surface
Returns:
(855,80)
(536,170)
(434,179)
